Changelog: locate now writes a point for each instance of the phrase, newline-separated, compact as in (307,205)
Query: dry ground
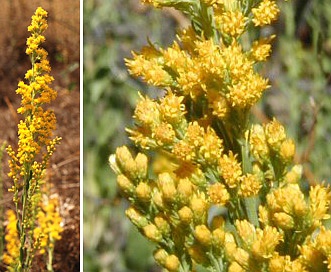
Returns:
(62,43)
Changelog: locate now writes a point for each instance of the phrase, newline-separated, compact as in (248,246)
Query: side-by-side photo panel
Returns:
(40,135)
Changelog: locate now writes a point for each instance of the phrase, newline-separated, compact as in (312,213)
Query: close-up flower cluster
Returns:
(26,228)
(209,187)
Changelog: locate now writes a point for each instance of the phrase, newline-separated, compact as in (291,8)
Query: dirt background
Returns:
(62,44)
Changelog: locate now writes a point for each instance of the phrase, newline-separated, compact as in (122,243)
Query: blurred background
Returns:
(300,97)
(62,44)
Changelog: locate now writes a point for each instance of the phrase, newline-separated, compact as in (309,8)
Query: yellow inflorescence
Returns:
(218,192)
(12,241)
(266,12)
(49,225)
(36,130)
(28,164)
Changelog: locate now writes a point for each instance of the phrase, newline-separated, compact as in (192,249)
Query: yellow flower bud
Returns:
(136,217)
(160,256)
(152,233)
(162,224)
(185,215)
(141,164)
(320,197)
(235,267)
(218,238)
(143,192)
(184,189)
(125,162)
(167,186)
(157,199)
(125,184)
(199,206)
(294,175)
(283,220)
(172,263)
(287,150)
(203,235)
(275,134)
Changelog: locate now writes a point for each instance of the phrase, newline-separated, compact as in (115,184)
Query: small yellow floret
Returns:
(265,13)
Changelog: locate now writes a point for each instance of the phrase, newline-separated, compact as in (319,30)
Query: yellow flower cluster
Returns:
(36,129)
(12,242)
(217,192)
(49,225)
(35,147)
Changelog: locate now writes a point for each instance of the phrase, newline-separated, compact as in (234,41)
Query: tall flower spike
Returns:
(35,140)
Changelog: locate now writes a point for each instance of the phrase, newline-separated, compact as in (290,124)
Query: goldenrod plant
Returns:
(212,190)
(49,229)
(36,145)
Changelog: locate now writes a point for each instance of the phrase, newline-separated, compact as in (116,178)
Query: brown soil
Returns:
(62,44)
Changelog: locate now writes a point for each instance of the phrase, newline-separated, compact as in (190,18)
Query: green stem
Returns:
(251,210)
(50,259)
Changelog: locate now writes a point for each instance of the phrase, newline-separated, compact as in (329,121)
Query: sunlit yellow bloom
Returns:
(147,112)
(218,103)
(275,134)
(230,169)
(212,147)
(261,49)
(218,194)
(258,142)
(266,12)
(231,23)
(149,65)
(319,202)
(250,185)
(246,231)
(172,109)
(49,225)
(164,134)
